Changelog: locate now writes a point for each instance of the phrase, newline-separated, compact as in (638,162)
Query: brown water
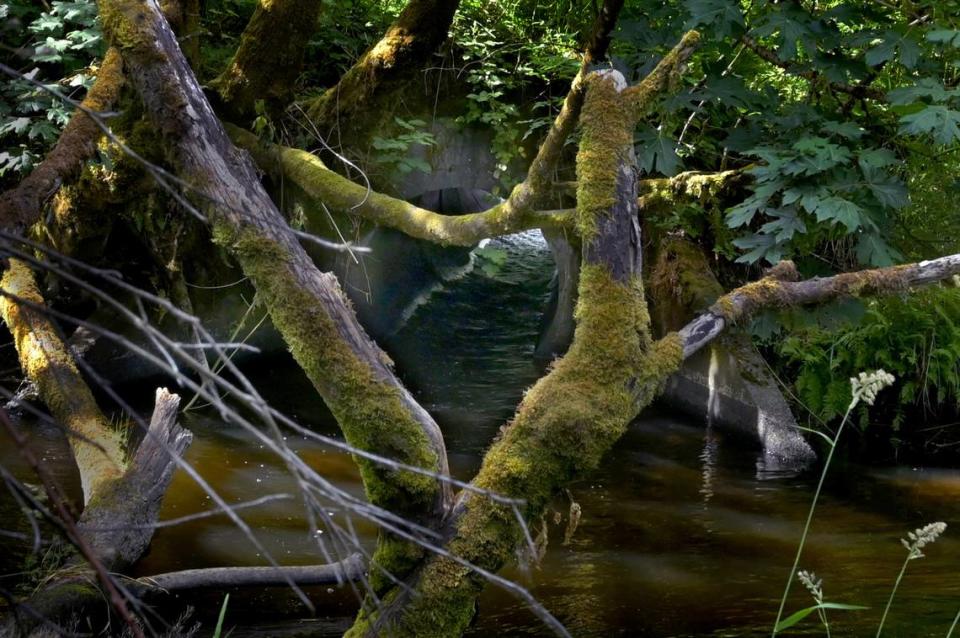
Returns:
(680,535)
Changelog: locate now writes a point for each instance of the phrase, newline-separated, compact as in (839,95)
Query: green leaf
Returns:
(881,53)
(723,15)
(785,225)
(759,247)
(937,121)
(16,126)
(874,251)
(796,617)
(910,52)
(657,153)
(839,210)
(925,88)
(949,37)
(793,25)
(876,158)
(743,213)
(848,130)
(893,42)
(889,191)
(728,90)
(218,630)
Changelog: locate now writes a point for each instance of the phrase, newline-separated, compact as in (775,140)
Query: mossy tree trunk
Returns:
(266,64)
(363,96)
(354,377)
(572,416)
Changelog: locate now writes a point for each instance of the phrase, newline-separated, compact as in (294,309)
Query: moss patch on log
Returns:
(97,447)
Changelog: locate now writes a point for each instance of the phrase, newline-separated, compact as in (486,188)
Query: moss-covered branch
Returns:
(354,377)
(97,446)
(20,207)
(572,416)
(267,62)
(341,195)
(780,289)
(361,97)
(537,183)
(666,73)
(661,193)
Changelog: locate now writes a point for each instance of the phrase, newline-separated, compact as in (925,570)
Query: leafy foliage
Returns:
(916,338)
(500,60)
(60,43)
(395,151)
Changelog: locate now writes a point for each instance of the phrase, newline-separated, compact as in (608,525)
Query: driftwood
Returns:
(350,568)
(118,521)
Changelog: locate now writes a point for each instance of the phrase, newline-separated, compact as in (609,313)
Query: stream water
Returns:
(680,535)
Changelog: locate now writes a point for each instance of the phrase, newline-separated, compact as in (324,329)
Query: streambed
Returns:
(681,534)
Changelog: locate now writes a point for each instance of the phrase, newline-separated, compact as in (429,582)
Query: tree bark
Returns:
(362,97)
(354,377)
(267,62)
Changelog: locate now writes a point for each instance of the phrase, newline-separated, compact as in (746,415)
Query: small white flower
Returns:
(813,584)
(922,537)
(865,387)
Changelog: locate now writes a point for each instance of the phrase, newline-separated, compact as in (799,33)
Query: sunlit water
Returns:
(678,536)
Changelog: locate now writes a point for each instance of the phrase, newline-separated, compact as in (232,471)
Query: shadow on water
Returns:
(679,536)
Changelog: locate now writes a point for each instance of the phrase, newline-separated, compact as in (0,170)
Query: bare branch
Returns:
(778,291)
(350,568)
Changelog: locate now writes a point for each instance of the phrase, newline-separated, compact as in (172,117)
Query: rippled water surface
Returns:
(679,536)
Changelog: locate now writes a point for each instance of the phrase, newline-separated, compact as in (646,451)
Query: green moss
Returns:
(607,125)
(370,411)
(681,283)
(128,24)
